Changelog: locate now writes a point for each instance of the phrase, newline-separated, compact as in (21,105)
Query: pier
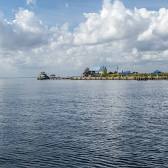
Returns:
(120,78)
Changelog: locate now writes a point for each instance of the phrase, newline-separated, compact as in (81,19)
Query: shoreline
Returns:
(110,78)
(92,75)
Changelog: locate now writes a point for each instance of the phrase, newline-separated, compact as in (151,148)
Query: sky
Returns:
(66,36)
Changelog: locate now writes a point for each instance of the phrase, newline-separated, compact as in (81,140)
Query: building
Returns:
(90,73)
(157,72)
(125,73)
(95,72)
(52,76)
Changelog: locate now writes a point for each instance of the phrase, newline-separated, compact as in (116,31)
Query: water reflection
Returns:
(83,123)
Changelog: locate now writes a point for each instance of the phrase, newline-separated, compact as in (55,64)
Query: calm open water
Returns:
(83,124)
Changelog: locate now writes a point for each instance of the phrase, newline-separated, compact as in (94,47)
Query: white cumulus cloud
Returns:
(114,36)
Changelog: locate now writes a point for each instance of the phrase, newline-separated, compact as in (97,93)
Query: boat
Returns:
(43,76)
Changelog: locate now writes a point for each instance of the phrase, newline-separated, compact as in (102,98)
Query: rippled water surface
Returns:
(83,124)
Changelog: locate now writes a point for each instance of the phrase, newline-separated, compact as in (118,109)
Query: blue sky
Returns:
(57,12)
(54,11)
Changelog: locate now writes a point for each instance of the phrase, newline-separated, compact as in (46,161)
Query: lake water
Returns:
(83,124)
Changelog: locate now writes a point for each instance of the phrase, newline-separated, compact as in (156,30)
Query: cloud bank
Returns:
(115,35)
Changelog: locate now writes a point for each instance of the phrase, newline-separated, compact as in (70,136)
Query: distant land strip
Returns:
(103,74)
